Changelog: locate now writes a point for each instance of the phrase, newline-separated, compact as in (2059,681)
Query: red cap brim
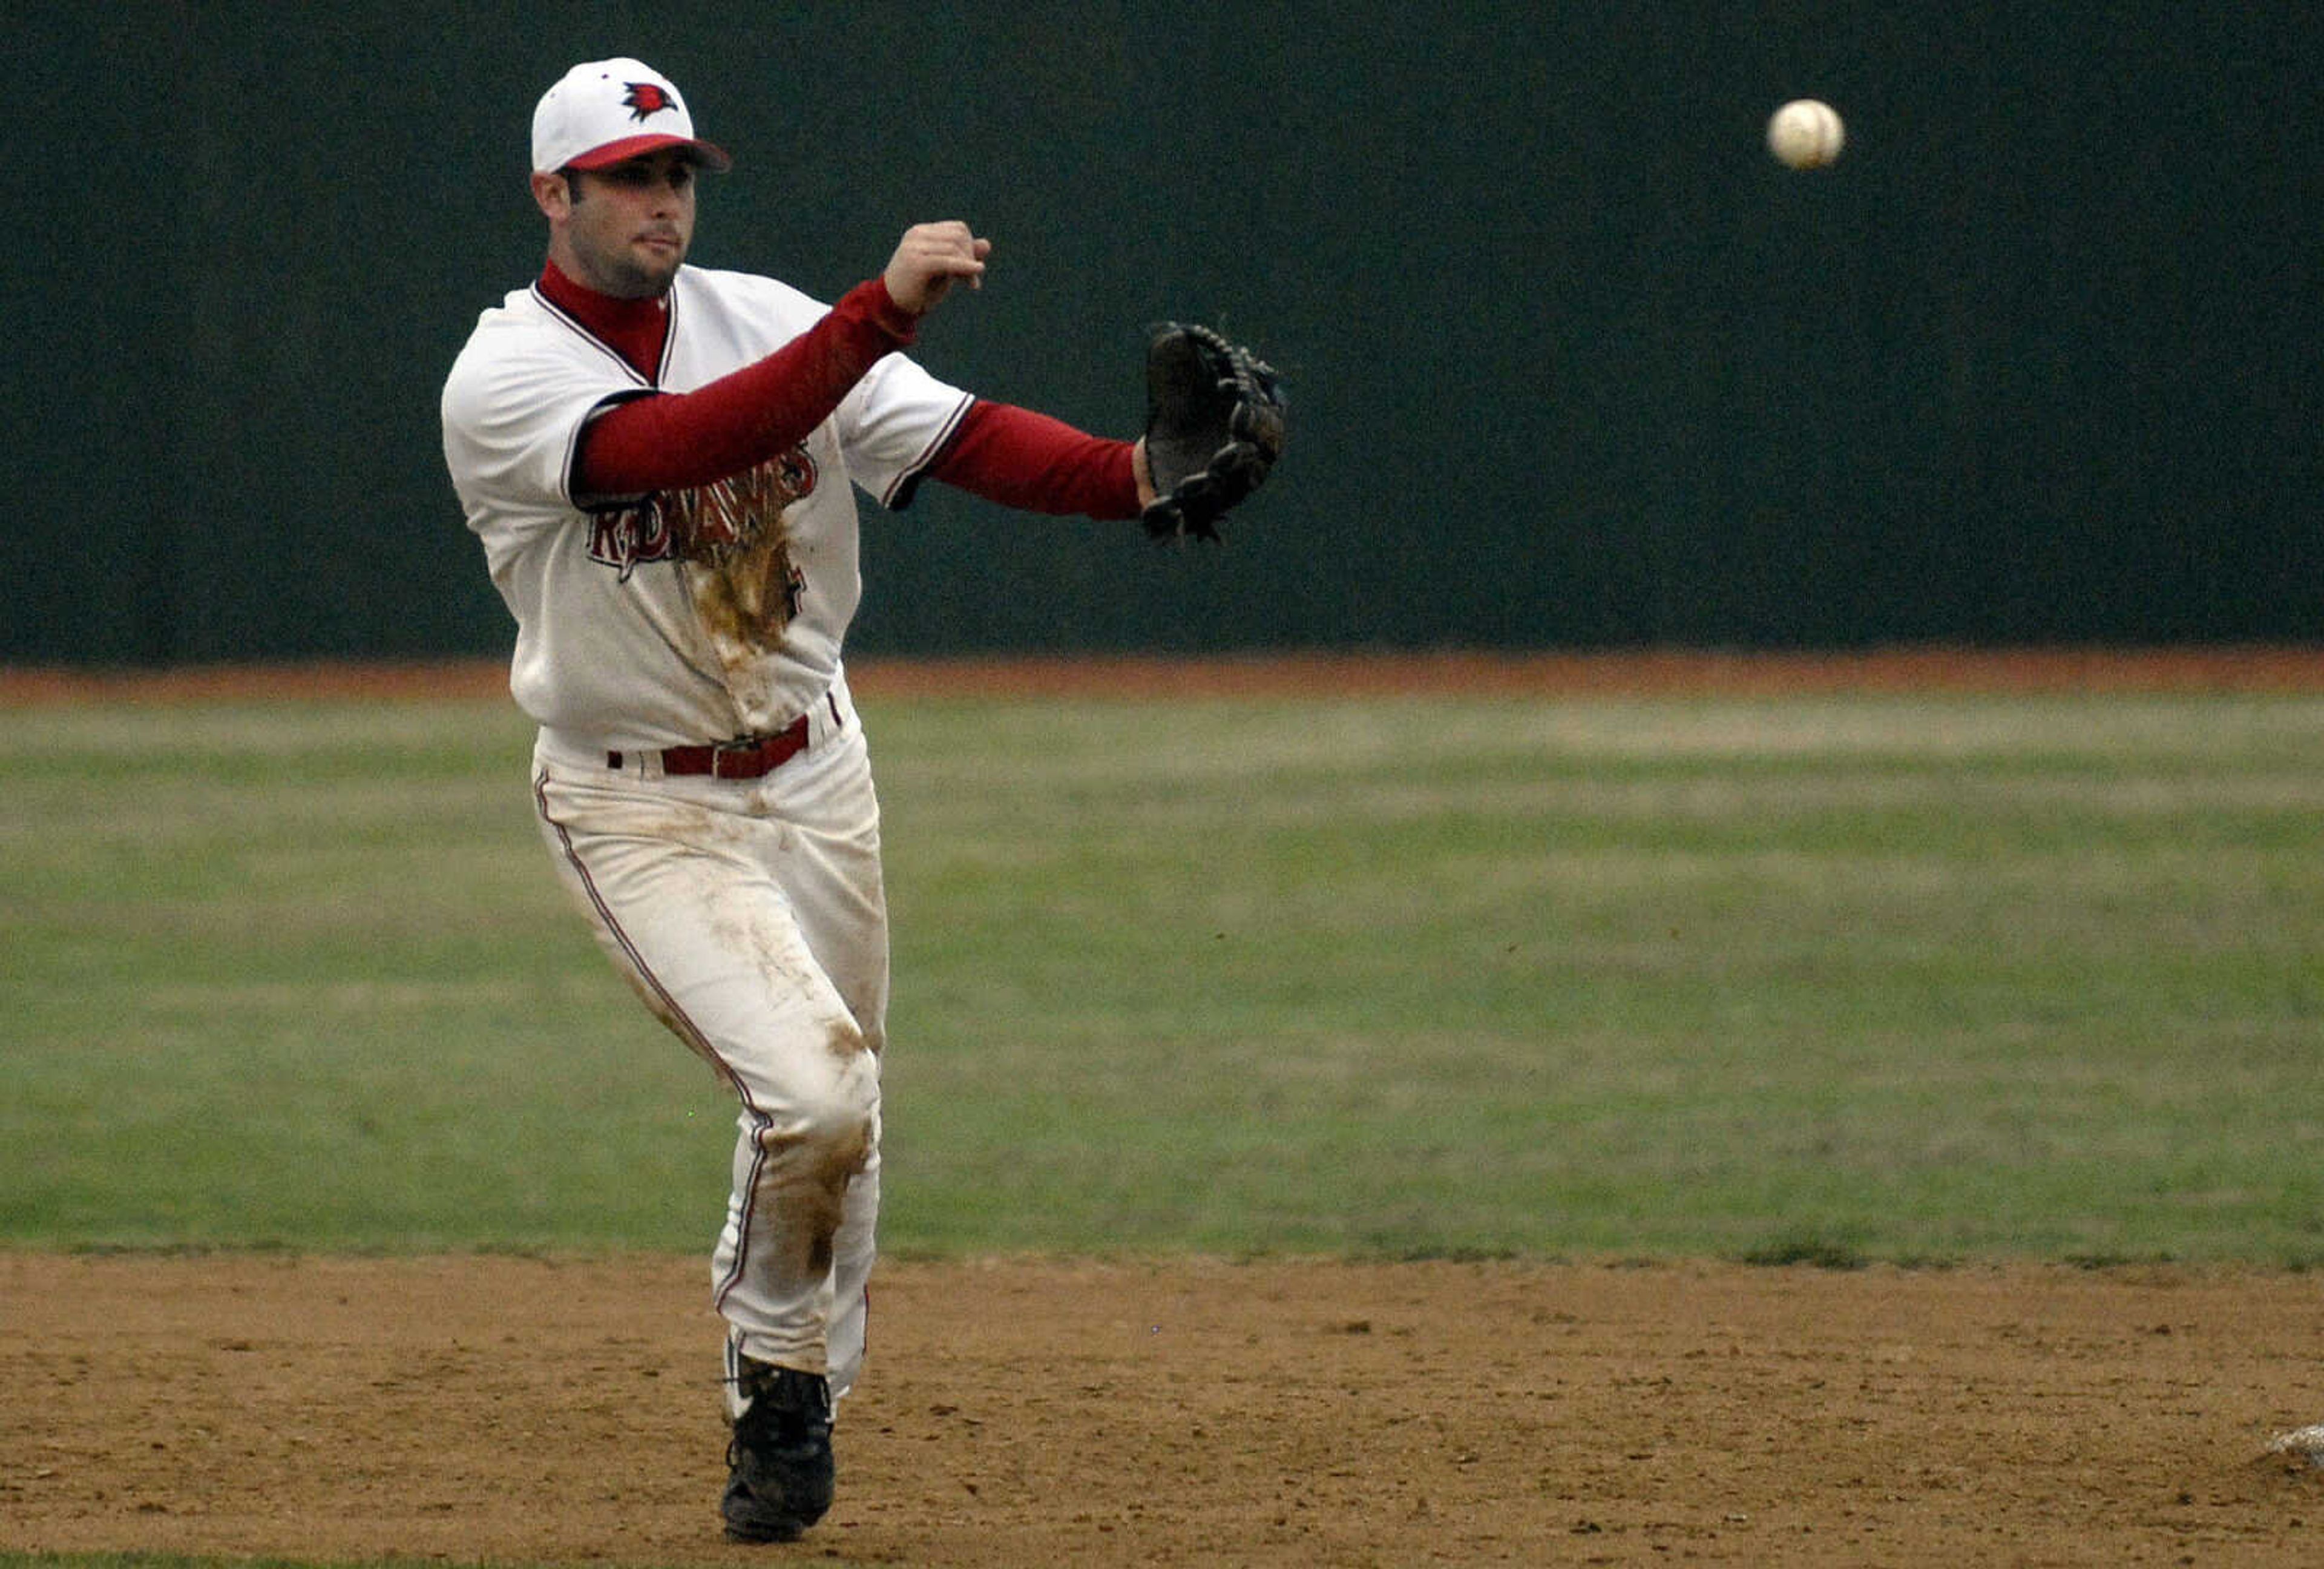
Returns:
(613,152)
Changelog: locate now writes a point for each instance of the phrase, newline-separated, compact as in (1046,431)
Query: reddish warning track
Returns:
(2241,668)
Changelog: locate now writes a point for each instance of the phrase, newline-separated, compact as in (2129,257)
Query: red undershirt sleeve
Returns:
(676,440)
(1036,463)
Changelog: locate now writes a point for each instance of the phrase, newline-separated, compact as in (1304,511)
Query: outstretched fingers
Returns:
(930,259)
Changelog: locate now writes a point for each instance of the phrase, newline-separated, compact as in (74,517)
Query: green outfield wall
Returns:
(1573,362)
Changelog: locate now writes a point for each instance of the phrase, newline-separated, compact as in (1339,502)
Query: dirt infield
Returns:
(1181,1413)
(1637,672)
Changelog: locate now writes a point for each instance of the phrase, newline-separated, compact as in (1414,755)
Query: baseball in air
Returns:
(1805,134)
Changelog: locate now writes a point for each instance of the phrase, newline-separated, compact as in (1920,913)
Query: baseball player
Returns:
(659,461)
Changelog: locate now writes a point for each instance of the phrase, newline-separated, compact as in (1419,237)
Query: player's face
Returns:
(628,226)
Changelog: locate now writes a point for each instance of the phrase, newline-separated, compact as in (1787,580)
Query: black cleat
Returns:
(780,1477)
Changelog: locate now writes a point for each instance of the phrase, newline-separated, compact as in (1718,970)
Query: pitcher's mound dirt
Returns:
(1178,1413)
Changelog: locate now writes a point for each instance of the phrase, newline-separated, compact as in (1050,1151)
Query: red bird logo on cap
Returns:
(645,98)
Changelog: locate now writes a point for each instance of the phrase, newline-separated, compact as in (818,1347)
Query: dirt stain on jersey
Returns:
(737,549)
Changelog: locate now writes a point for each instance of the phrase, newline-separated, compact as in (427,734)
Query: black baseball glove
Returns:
(1213,428)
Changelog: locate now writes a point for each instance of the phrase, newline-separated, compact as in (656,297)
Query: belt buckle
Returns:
(749,750)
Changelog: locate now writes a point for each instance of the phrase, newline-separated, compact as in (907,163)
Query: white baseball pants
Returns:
(751,917)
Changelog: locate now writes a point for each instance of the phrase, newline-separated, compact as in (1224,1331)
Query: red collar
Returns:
(635,328)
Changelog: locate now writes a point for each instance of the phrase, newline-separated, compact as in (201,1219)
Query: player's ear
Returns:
(553,194)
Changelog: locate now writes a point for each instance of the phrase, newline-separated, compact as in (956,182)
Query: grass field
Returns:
(1839,977)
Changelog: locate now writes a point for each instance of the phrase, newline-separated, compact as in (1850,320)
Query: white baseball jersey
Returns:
(682,617)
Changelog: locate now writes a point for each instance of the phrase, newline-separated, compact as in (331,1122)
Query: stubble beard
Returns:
(627,277)
(627,271)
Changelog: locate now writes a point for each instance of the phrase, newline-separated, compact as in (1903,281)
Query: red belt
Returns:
(750,757)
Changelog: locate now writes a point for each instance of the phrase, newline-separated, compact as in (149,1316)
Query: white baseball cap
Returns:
(606,110)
